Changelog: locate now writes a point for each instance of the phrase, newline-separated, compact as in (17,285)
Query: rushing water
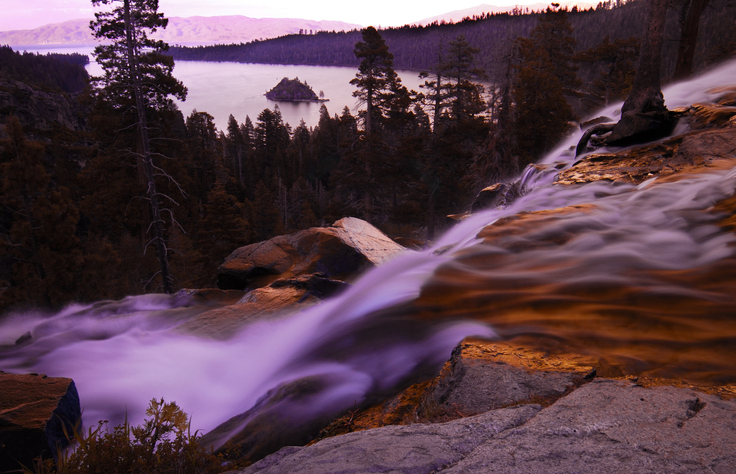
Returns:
(591,276)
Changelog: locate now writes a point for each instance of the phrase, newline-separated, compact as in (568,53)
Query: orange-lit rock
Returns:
(35,410)
(480,376)
(340,252)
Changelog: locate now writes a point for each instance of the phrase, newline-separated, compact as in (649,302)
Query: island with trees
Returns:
(293,90)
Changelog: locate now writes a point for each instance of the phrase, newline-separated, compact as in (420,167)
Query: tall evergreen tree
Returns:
(374,76)
(135,66)
(386,100)
(644,116)
(544,75)
(464,94)
(614,61)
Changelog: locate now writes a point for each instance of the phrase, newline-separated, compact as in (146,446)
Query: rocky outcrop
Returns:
(480,376)
(604,426)
(341,251)
(500,194)
(37,413)
(713,132)
(36,109)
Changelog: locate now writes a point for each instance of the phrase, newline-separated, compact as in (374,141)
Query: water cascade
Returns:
(631,248)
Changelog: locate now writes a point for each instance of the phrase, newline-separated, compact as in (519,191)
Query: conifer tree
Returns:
(136,67)
(374,76)
(544,74)
(380,89)
(644,116)
(235,146)
(615,62)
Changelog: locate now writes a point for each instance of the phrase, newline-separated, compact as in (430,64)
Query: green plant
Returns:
(163,444)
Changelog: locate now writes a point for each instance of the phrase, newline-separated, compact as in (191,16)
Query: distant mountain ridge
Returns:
(188,30)
(458,15)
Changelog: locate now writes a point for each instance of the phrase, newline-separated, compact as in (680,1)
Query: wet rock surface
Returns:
(34,412)
(279,299)
(341,251)
(480,376)
(712,138)
(603,426)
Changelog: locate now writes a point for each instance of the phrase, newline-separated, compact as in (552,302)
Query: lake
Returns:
(224,88)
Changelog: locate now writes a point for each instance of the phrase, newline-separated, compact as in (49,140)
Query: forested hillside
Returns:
(59,72)
(415,47)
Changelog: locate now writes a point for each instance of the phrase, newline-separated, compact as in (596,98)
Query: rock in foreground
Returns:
(604,426)
(339,252)
(35,410)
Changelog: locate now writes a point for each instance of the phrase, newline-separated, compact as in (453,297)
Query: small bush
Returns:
(163,444)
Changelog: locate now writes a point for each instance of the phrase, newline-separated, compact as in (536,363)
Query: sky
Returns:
(28,14)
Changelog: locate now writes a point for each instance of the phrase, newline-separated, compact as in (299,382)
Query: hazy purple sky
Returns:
(26,14)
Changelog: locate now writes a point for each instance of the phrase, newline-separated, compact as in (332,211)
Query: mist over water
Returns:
(630,244)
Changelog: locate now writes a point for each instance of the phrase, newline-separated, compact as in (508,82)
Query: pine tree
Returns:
(135,67)
(614,62)
(374,76)
(465,95)
(388,109)
(235,147)
(544,74)
(206,155)
(644,116)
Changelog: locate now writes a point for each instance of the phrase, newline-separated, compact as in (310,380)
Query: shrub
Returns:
(163,444)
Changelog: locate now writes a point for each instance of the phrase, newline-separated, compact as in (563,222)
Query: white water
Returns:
(122,354)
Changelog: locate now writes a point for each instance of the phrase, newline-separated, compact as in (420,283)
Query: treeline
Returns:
(57,72)
(493,35)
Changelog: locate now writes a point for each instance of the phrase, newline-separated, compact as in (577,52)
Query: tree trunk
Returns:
(689,26)
(644,116)
(156,219)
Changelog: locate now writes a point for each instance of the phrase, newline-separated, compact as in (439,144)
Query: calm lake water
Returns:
(221,89)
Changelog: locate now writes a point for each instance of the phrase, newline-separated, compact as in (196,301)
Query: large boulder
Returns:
(341,251)
(37,414)
(603,426)
(480,376)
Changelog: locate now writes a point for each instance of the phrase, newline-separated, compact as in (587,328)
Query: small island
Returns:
(293,90)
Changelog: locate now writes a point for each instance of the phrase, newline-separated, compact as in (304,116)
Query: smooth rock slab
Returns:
(481,376)
(609,426)
(34,411)
(605,426)
(339,252)
(420,448)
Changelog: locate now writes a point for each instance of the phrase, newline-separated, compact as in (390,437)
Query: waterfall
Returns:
(123,353)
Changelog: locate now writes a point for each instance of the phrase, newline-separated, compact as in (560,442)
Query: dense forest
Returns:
(56,72)
(75,221)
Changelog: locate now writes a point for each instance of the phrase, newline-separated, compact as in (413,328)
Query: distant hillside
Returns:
(459,15)
(415,47)
(190,30)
